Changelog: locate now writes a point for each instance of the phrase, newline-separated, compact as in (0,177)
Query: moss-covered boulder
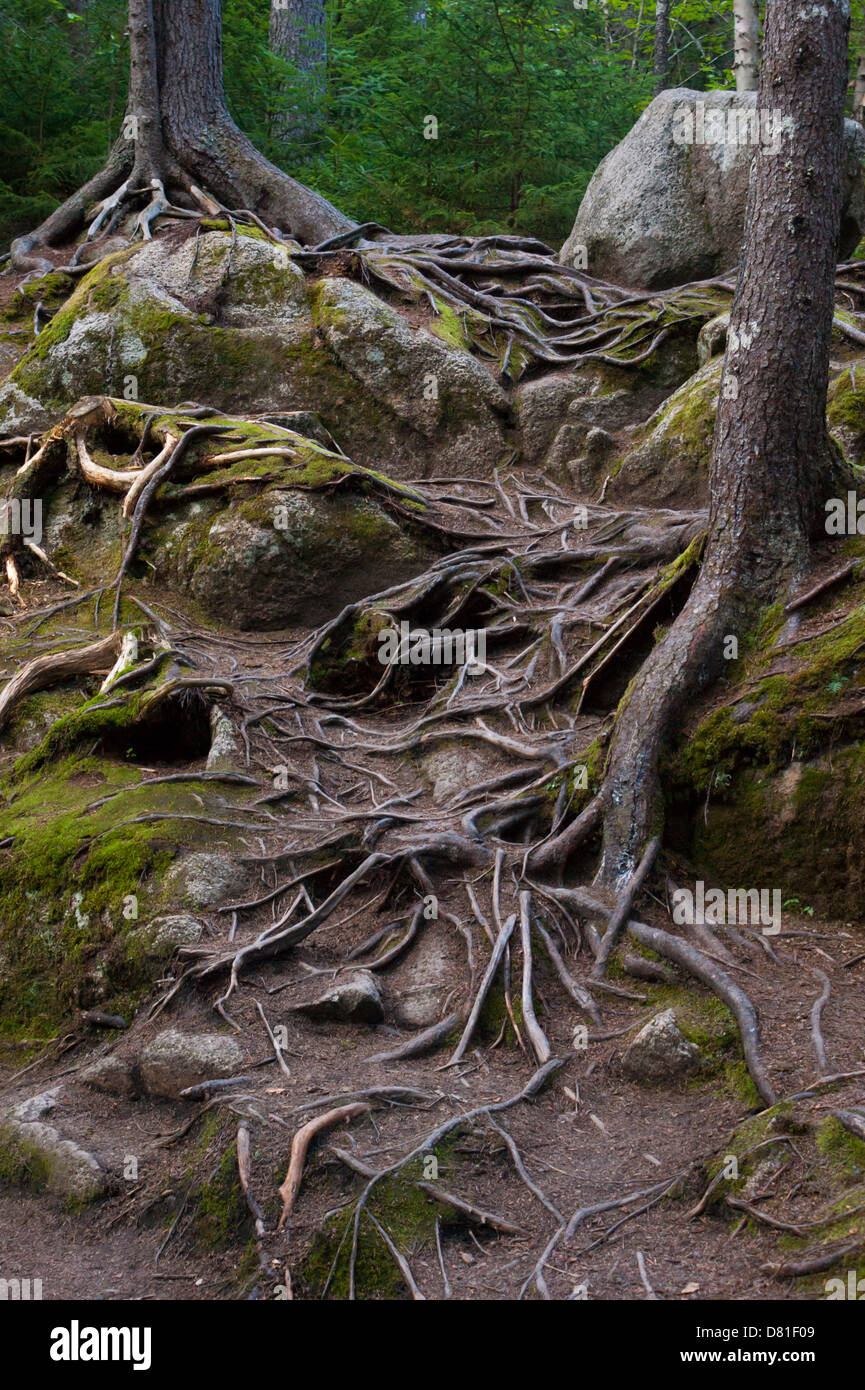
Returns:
(285,557)
(797,830)
(33,1154)
(206,321)
(238,327)
(668,462)
(432,384)
(261,525)
(845,411)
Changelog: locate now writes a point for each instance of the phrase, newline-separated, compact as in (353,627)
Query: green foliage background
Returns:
(529,95)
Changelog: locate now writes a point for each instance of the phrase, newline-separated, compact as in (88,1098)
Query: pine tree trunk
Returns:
(178,131)
(203,138)
(859,87)
(773,465)
(298,33)
(746,41)
(661,60)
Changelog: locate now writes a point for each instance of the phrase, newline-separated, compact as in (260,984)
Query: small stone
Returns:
(112,1074)
(354,1000)
(163,935)
(37,1107)
(203,879)
(454,768)
(661,1052)
(172,1061)
(225,754)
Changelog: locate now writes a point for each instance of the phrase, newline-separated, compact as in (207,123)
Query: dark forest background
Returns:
(529,95)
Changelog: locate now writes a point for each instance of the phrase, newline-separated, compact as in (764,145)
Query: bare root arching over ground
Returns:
(385,925)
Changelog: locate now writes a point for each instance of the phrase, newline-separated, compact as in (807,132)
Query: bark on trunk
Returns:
(202,136)
(143,105)
(772,466)
(859,86)
(746,41)
(298,34)
(661,61)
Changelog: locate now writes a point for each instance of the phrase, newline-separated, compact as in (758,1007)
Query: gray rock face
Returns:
(355,999)
(662,210)
(421,379)
(556,412)
(173,1060)
(660,1052)
(41,1158)
(204,879)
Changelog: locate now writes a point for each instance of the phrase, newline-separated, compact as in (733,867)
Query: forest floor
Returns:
(621,1137)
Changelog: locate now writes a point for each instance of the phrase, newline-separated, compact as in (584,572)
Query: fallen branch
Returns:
(44,671)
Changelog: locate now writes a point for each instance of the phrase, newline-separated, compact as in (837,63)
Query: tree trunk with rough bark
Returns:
(773,465)
(298,33)
(746,41)
(661,60)
(179,141)
(859,85)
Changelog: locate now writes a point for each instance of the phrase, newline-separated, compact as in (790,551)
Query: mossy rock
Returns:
(234,328)
(288,556)
(427,380)
(845,411)
(780,809)
(76,880)
(34,1155)
(669,463)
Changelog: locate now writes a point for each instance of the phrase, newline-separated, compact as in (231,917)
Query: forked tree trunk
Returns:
(660,59)
(772,466)
(298,33)
(178,130)
(746,42)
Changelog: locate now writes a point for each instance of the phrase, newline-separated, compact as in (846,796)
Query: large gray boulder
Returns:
(667,205)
